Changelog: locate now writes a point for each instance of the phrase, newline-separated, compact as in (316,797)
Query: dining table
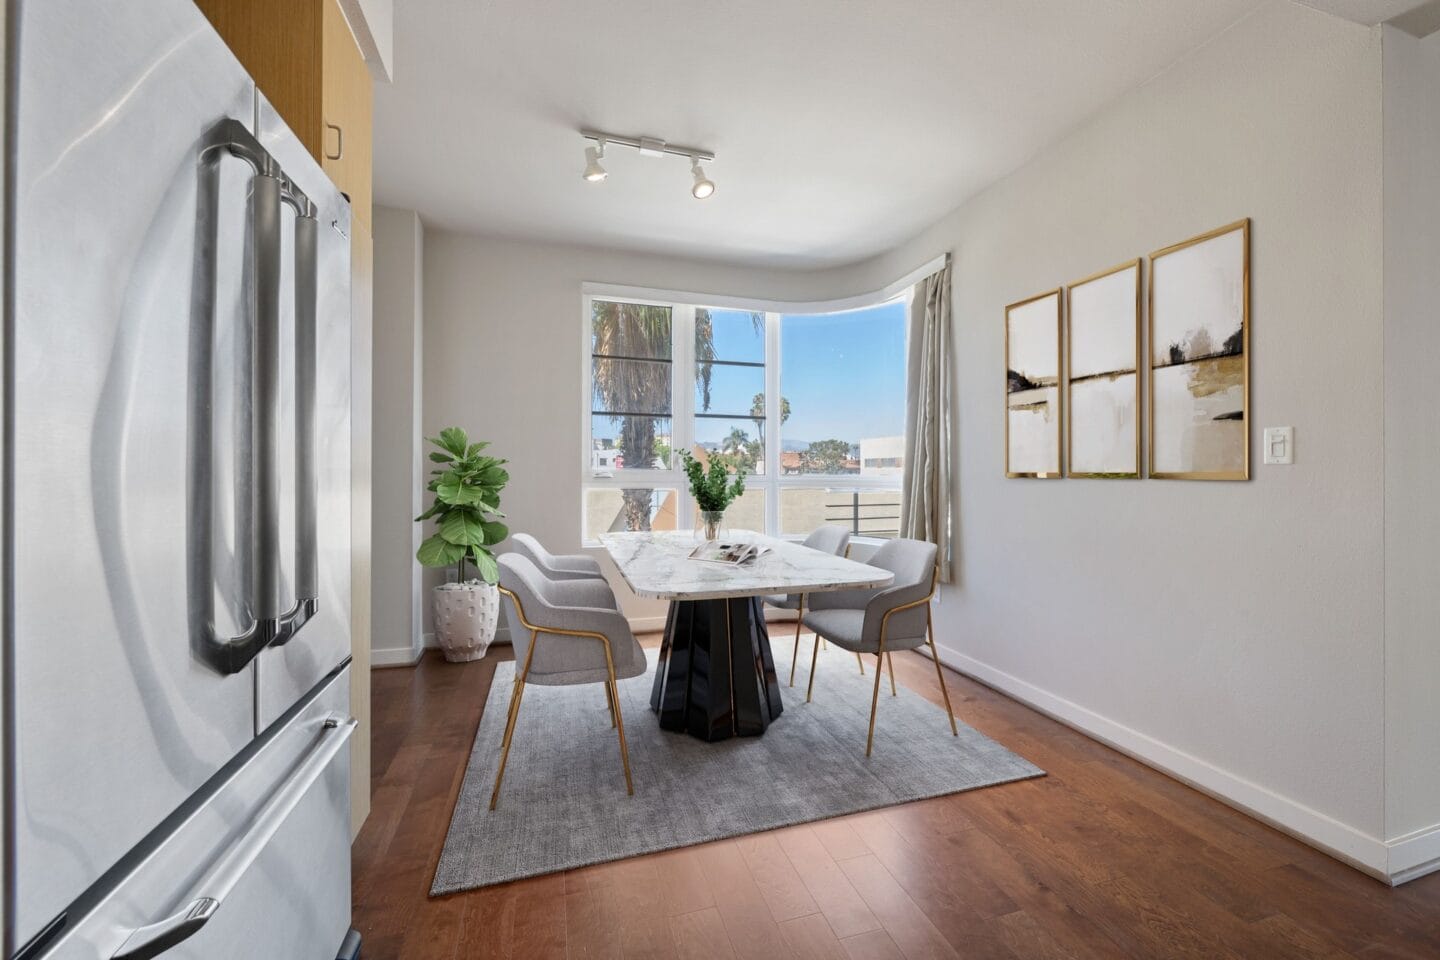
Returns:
(715,677)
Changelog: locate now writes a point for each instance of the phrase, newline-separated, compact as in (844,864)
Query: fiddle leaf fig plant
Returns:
(467,489)
(713,489)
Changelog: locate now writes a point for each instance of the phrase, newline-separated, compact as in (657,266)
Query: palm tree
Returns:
(621,334)
(757,412)
(737,447)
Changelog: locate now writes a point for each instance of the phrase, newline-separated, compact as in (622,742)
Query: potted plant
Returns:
(713,489)
(467,489)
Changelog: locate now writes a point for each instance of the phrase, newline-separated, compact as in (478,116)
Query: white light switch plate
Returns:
(1280,445)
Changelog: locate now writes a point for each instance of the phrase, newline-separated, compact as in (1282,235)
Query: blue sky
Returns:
(843,373)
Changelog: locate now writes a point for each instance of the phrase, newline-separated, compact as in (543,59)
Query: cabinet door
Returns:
(346,96)
(285,62)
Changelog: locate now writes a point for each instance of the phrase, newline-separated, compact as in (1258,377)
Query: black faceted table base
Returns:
(716,677)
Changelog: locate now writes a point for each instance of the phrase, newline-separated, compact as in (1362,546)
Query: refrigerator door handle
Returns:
(307,267)
(232,654)
(222,876)
(266,191)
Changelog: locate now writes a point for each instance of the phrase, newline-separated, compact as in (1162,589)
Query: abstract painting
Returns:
(1103,387)
(1199,357)
(1032,387)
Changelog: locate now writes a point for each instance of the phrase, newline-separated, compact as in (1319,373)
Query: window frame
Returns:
(682,395)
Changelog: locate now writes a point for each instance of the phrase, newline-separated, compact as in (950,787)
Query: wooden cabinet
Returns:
(346,99)
(307,63)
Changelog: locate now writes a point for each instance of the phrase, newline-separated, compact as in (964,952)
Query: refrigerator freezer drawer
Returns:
(260,870)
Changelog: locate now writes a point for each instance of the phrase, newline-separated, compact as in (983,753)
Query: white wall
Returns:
(1231,632)
(399,473)
(1412,436)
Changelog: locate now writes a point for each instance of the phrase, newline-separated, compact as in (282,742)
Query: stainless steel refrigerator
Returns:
(177,444)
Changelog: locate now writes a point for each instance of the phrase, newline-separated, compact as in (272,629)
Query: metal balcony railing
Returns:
(867,519)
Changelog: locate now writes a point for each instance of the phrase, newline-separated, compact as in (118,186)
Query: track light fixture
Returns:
(593,171)
(702,187)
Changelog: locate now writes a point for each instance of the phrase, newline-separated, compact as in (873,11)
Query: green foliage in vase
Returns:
(467,489)
(713,489)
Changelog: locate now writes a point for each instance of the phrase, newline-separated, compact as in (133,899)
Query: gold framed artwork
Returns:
(1200,357)
(1032,387)
(1102,388)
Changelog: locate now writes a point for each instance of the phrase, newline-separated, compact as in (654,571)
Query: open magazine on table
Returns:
(732,554)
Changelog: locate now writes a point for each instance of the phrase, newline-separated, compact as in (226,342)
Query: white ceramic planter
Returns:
(466,615)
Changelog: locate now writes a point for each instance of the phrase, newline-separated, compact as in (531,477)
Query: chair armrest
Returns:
(608,622)
(576,565)
(840,599)
(585,592)
(889,599)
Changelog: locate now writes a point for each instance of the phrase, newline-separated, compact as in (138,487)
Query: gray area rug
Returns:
(564,805)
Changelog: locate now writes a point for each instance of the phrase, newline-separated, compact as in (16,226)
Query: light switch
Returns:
(1279,444)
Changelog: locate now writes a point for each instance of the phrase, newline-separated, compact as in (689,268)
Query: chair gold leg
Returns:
(939,673)
(799,612)
(610,704)
(860,660)
(619,722)
(512,718)
(505,746)
(814,655)
(875,700)
(890,659)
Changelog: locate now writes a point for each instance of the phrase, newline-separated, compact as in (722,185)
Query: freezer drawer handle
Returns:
(225,872)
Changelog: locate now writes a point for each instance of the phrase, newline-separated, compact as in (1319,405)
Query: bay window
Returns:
(809,406)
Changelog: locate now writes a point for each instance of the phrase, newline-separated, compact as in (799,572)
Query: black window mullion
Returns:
(618,356)
(630,413)
(733,363)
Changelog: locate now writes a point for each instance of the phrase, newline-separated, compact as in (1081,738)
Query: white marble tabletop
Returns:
(658,565)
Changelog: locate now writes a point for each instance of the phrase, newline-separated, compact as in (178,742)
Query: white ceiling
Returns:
(841,127)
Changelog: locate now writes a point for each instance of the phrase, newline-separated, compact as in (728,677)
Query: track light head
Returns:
(704,186)
(593,171)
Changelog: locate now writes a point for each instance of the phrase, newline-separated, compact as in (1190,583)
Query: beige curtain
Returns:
(925,498)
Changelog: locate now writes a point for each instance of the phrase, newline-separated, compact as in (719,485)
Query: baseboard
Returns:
(1366,853)
(396,657)
(1414,855)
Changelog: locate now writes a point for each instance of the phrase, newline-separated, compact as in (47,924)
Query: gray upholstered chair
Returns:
(565,632)
(829,538)
(569,566)
(880,621)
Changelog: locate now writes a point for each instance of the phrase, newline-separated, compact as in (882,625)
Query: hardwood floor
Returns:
(1103,858)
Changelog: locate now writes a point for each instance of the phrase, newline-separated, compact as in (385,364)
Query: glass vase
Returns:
(710,524)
